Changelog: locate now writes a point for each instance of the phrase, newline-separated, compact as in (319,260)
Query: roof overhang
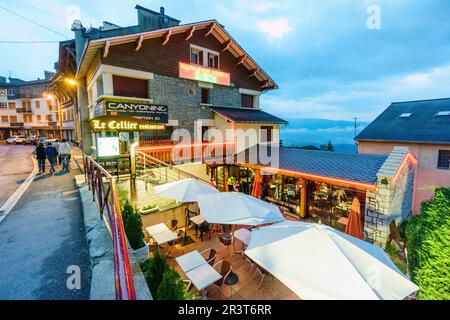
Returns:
(404,142)
(92,47)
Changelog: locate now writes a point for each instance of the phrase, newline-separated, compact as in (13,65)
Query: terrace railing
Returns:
(104,192)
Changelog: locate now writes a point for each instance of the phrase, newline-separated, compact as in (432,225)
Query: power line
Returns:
(34,22)
(28,42)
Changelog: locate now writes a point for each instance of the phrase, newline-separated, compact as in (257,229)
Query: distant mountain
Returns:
(314,132)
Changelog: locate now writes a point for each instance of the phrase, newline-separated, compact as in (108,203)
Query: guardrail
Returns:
(104,191)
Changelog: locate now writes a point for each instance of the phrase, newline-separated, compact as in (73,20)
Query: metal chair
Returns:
(210,256)
(172,224)
(262,272)
(225,269)
(177,242)
(250,262)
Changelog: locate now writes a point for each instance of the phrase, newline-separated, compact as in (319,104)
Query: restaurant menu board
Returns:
(108,146)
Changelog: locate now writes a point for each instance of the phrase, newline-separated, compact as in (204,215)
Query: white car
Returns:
(16,140)
(52,141)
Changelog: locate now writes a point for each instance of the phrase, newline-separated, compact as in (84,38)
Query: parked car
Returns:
(41,139)
(31,139)
(46,142)
(16,140)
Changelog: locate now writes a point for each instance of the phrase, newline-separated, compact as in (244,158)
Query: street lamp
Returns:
(70,81)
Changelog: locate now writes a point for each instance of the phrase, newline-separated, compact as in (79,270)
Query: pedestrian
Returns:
(39,152)
(56,145)
(51,153)
(237,186)
(230,182)
(64,153)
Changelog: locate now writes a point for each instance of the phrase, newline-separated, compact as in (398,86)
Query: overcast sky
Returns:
(326,60)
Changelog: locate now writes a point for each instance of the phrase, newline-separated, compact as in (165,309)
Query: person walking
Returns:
(64,152)
(51,153)
(56,145)
(39,152)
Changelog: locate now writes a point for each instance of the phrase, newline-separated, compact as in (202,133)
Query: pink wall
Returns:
(426,176)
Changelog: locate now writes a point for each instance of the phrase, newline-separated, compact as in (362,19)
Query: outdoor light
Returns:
(72,82)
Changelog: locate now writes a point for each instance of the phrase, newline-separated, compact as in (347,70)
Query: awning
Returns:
(247,115)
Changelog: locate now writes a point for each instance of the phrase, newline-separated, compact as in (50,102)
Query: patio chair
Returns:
(204,229)
(250,262)
(177,242)
(226,240)
(188,284)
(172,224)
(211,255)
(225,269)
(262,272)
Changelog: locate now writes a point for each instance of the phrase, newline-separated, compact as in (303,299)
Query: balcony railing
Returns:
(23,110)
(104,192)
(16,124)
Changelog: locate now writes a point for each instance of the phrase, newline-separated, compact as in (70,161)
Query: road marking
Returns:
(15,197)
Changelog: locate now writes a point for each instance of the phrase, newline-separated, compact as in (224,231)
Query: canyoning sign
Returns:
(191,72)
(152,112)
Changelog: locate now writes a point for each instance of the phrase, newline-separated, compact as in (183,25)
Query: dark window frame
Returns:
(269,135)
(130,87)
(443,162)
(205,96)
(247,101)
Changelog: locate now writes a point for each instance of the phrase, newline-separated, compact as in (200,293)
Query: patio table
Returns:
(190,261)
(243,235)
(198,220)
(161,233)
(203,276)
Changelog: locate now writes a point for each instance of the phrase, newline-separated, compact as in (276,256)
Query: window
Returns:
(405,115)
(444,159)
(13,119)
(48,117)
(3,92)
(130,87)
(5,119)
(196,56)
(3,105)
(443,114)
(49,104)
(205,95)
(37,104)
(39,117)
(213,60)
(247,101)
(205,134)
(12,105)
(266,133)
(27,118)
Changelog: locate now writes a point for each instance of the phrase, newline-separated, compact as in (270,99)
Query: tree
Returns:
(330,146)
(154,269)
(428,244)
(171,286)
(132,223)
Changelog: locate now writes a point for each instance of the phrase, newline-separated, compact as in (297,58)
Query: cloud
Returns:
(276,28)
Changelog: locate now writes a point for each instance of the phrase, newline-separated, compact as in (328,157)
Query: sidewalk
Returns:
(41,238)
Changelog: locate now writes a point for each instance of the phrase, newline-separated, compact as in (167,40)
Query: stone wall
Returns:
(392,200)
(184,96)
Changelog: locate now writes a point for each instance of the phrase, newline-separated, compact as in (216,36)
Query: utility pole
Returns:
(355,127)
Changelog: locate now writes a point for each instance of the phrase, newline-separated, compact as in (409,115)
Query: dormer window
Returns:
(204,57)
(405,115)
(443,114)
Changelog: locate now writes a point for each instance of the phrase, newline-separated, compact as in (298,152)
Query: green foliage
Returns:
(171,286)
(428,243)
(123,197)
(154,269)
(132,223)
(327,147)
(402,229)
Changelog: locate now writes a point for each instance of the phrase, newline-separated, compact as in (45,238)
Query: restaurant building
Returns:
(320,186)
(26,108)
(141,83)
(424,127)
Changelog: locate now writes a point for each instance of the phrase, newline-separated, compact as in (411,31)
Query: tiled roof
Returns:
(421,126)
(347,166)
(247,115)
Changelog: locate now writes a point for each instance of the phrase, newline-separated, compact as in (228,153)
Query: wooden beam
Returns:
(139,43)
(189,33)
(210,29)
(226,45)
(253,72)
(167,37)
(106,50)
(241,59)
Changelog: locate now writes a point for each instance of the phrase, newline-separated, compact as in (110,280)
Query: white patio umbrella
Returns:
(237,208)
(321,263)
(185,190)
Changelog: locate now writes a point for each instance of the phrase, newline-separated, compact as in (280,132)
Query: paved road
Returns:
(43,236)
(15,166)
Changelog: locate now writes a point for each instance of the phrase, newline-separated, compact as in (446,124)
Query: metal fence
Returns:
(104,192)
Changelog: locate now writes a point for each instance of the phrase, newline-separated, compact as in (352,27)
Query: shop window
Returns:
(444,159)
(205,95)
(266,133)
(130,87)
(247,101)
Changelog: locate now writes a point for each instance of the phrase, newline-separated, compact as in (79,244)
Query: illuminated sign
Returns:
(125,124)
(189,71)
(152,112)
(108,146)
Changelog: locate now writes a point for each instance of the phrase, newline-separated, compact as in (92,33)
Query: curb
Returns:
(9,205)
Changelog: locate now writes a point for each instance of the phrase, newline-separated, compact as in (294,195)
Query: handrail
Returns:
(108,200)
(169,166)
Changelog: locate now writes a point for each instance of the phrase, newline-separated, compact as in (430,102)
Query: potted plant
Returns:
(132,223)
(149,209)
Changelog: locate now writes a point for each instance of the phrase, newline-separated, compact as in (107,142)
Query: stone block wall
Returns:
(392,200)
(183,97)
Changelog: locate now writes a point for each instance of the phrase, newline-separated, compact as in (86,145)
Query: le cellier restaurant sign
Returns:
(151,112)
(123,124)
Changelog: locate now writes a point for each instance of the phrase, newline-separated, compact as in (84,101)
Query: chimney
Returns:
(80,41)
(161,10)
